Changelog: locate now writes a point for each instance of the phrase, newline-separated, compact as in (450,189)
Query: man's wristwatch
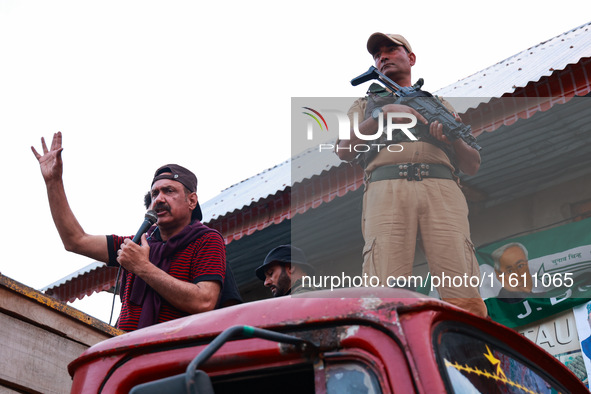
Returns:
(375,114)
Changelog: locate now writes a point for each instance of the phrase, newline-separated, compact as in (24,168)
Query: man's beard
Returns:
(283,284)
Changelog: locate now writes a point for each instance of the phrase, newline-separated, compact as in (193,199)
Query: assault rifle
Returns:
(431,108)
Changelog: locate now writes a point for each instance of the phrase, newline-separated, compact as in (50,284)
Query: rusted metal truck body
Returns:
(350,340)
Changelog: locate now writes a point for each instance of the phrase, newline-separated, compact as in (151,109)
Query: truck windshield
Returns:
(339,378)
(296,379)
(474,365)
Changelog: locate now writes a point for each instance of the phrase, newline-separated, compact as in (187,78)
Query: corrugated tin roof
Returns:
(268,183)
(248,191)
(549,148)
(527,66)
(93,278)
(81,271)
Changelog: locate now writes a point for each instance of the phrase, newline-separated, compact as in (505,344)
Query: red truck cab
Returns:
(349,340)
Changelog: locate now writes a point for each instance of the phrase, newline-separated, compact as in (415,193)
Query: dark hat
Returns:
(182,175)
(376,39)
(285,254)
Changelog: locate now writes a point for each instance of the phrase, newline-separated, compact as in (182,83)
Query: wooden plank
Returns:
(39,337)
(20,300)
(26,309)
(35,358)
(7,390)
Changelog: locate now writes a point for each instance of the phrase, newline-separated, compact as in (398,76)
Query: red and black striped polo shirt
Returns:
(202,260)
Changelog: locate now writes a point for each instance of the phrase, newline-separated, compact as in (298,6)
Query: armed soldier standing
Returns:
(414,190)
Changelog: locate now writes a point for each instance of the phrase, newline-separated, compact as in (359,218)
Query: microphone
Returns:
(149,220)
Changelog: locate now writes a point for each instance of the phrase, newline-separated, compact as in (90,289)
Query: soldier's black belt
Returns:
(410,172)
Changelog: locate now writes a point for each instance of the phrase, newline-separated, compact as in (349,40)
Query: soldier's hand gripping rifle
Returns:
(431,108)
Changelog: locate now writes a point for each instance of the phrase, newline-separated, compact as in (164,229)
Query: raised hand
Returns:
(51,161)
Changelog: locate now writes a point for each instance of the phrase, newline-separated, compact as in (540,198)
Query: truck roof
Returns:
(385,323)
(378,305)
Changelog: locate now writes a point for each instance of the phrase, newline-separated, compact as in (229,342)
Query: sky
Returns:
(133,85)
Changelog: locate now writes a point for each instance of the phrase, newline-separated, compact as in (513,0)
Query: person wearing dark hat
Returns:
(412,188)
(283,269)
(179,267)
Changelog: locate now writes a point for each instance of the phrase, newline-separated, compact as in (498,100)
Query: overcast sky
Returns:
(137,84)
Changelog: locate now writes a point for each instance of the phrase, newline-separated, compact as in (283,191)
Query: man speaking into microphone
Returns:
(178,267)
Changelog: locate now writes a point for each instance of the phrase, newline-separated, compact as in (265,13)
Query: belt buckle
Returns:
(414,172)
